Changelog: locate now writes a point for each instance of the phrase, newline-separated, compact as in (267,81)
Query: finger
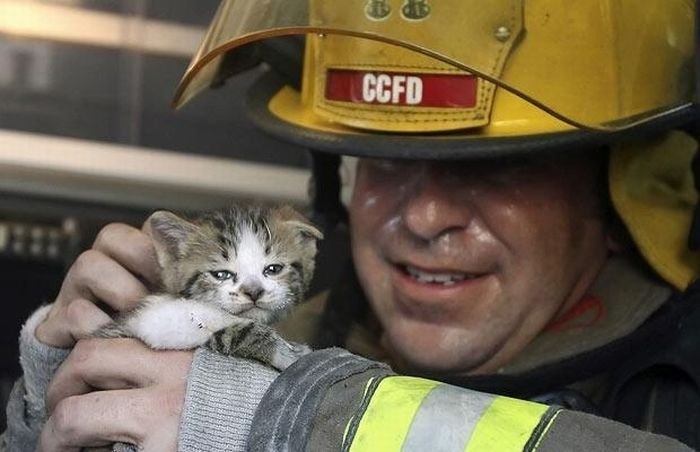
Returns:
(85,318)
(82,318)
(139,256)
(113,364)
(98,277)
(99,363)
(95,419)
(93,278)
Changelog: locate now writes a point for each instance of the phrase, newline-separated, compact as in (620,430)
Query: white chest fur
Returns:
(168,322)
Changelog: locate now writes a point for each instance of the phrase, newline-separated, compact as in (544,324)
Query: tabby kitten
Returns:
(226,275)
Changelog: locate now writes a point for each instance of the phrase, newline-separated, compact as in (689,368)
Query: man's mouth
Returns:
(436,277)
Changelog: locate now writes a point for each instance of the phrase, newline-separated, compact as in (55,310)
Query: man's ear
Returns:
(617,238)
(170,235)
(614,246)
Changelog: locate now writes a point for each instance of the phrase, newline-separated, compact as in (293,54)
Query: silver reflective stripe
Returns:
(446,419)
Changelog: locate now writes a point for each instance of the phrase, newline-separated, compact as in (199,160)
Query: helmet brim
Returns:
(454,146)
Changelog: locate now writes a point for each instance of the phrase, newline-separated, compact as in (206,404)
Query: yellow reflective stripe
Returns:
(506,425)
(391,419)
(387,419)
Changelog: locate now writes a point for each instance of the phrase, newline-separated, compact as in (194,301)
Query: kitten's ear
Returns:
(170,235)
(292,217)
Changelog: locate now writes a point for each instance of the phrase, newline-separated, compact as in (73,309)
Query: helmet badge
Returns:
(411,9)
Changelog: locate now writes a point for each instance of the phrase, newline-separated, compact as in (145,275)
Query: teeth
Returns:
(446,279)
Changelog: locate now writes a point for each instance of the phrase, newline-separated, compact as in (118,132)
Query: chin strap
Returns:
(329,214)
(328,210)
(694,235)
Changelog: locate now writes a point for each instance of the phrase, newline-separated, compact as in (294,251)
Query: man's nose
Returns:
(438,204)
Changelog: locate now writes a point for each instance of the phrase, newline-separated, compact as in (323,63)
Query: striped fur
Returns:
(251,263)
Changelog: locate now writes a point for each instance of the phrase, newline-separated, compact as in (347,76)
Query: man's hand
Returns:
(139,399)
(113,275)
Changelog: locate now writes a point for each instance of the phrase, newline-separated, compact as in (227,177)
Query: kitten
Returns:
(226,275)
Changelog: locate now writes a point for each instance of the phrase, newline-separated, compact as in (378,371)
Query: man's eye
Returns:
(272,269)
(221,275)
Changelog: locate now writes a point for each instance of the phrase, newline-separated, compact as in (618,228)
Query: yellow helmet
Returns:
(462,77)
(452,79)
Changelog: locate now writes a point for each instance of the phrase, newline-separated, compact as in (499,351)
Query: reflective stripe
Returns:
(387,419)
(413,414)
(507,425)
(446,419)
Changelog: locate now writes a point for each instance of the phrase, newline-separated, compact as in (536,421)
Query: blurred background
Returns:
(87,137)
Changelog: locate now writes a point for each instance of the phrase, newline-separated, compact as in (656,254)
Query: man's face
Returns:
(465,263)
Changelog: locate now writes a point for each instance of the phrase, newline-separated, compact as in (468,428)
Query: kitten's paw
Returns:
(235,339)
(287,353)
(248,339)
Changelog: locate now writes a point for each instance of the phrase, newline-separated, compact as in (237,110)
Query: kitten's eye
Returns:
(221,275)
(273,269)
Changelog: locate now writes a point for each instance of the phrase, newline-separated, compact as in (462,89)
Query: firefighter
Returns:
(519,231)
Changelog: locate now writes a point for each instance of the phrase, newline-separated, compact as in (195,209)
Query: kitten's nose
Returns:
(253,292)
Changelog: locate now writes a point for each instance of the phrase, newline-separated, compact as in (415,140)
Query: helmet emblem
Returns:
(415,9)
(378,9)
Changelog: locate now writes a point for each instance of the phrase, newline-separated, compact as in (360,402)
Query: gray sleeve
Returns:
(222,396)
(26,407)
(580,432)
